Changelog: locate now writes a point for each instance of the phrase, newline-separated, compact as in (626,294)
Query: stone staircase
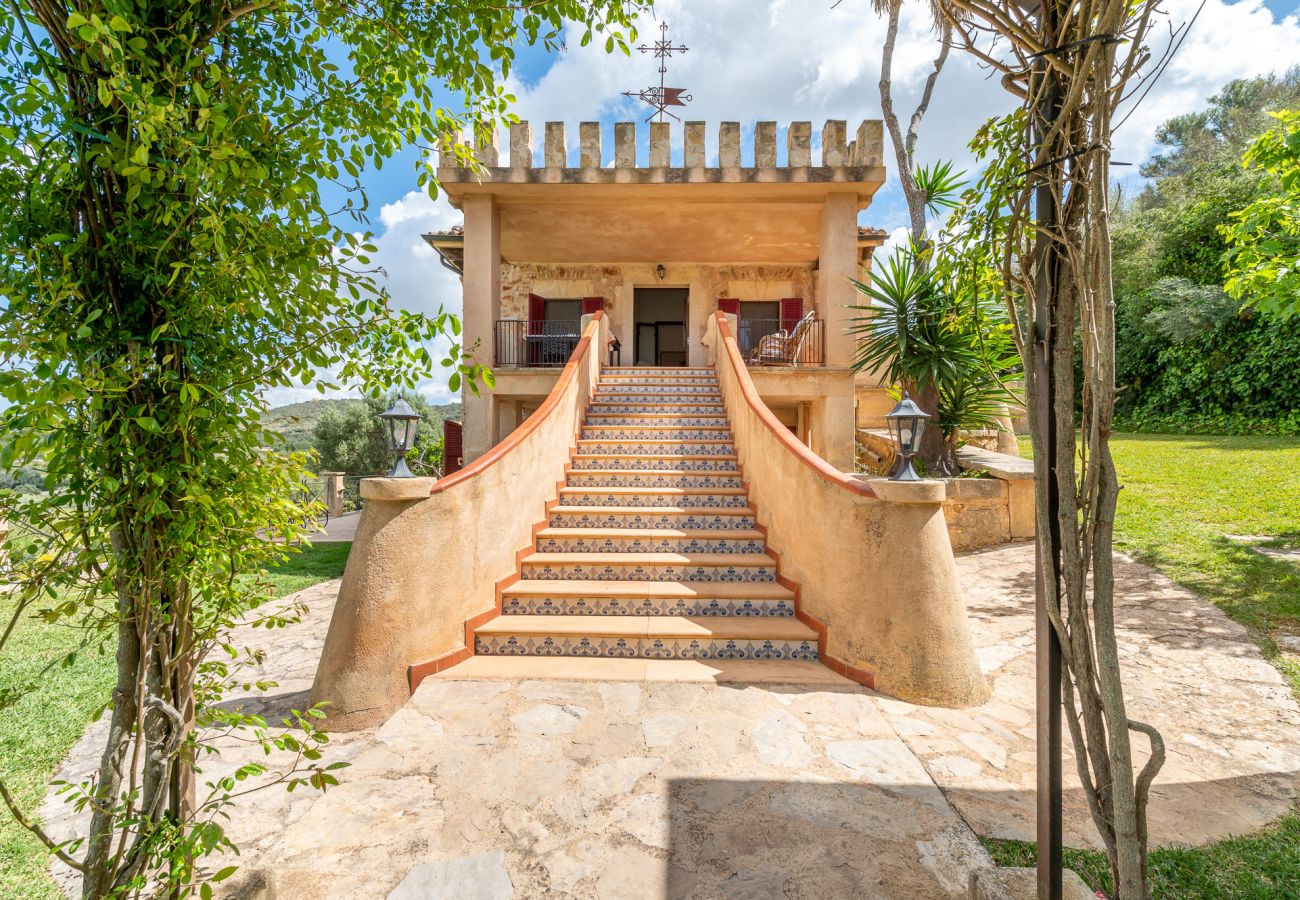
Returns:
(652,551)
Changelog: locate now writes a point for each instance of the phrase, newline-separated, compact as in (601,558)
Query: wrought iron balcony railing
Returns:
(764,342)
(535,342)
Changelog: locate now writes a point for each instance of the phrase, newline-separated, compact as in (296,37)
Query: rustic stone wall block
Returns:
(660,141)
(693,155)
(488,153)
(765,145)
(871,143)
(625,145)
(521,146)
(729,145)
(799,144)
(834,152)
(589,141)
(557,150)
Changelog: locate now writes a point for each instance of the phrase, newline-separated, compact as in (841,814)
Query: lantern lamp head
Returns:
(906,424)
(402,422)
(661,272)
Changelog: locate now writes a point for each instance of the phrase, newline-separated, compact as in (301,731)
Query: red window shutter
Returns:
(452,447)
(591,304)
(536,313)
(536,316)
(729,305)
(791,312)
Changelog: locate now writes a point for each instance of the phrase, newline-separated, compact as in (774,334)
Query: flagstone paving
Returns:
(1230,723)
(490,788)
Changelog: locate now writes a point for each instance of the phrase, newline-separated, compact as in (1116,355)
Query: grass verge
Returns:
(1261,866)
(46,706)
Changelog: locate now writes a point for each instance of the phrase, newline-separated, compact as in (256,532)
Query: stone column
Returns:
(482,292)
(837,263)
(332,487)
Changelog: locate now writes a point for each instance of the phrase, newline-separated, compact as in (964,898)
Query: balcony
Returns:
(763,342)
(535,343)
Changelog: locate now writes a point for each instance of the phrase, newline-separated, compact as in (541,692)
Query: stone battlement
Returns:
(840,159)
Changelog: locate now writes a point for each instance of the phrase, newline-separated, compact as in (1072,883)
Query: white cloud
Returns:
(814,60)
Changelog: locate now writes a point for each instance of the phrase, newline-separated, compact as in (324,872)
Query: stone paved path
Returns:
(619,790)
(628,790)
(1230,723)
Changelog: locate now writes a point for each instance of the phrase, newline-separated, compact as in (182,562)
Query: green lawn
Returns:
(1261,866)
(45,707)
(1181,497)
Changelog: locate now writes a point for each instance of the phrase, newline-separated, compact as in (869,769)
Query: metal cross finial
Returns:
(659,98)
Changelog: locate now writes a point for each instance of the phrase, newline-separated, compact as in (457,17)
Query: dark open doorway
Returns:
(660,322)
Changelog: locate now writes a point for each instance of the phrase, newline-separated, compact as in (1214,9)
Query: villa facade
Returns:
(772,238)
(660,484)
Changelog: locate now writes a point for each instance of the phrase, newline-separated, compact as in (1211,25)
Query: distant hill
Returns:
(296,421)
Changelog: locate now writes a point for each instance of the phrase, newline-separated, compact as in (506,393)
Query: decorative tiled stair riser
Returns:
(646,606)
(634,433)
(678,447)
(670,478)
(633,419)
(644,648)
(645,462)
(682,544)
(647,572)
(562,518)
(632,497)
(611,374)
(651,550)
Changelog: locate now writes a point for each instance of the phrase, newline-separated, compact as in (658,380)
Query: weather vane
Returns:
(660,98)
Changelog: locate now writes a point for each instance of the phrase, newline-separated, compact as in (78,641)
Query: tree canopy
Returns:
(168,258)
(352,438)
(1188,356)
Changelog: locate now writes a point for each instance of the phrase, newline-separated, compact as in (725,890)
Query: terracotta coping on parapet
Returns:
(530,424)
(792,443)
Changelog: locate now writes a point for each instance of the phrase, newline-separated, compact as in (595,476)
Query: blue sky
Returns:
(789,60)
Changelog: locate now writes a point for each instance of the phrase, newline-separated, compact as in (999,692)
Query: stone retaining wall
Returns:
(980,512)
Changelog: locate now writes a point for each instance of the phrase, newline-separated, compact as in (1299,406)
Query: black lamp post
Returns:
(402,422)
(906,424)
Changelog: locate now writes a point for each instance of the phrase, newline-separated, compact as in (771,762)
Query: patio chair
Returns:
(782,348)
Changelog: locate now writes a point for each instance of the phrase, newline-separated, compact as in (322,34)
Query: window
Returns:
(562,310)
(758,318)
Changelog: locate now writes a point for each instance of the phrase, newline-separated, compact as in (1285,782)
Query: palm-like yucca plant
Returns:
(927,330)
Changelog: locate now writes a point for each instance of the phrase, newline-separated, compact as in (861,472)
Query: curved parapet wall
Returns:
(870,561)
(430,557)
